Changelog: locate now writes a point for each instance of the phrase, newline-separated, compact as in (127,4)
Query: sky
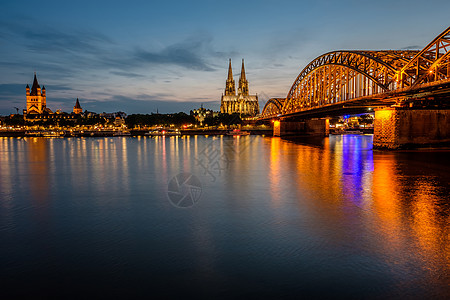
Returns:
(171,56)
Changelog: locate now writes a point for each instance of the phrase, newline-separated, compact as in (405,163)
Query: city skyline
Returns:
(174,56)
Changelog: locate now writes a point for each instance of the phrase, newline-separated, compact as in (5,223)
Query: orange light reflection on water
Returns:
(344,181)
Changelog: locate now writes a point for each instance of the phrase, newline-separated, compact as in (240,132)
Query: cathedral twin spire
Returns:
(243,83)
(230,89)
(241,103)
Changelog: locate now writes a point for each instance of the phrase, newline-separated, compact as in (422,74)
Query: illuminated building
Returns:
(37,109)
(36,98)
(202,113)
(242,103)
(77,108)
(118,121)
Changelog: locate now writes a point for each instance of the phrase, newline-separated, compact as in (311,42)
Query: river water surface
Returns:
(222,217)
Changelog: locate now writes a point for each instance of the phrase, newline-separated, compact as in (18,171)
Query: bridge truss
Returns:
(429,65)
(343,76)
(273,107)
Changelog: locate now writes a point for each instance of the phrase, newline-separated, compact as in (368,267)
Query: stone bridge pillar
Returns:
(397,128)
(313,127)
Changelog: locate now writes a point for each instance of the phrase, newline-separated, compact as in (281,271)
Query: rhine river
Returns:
(222,217)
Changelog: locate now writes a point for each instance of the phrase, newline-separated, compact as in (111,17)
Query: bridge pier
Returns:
(397,128)
(309,127)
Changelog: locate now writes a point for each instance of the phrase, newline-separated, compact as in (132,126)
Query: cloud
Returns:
(413,47)
(55,87)
(83,63)
(52,41)
(188,54)
(127,74)
(12,89)
(11,96)
(73,52)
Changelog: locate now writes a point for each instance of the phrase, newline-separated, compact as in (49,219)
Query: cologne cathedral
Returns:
(242,103)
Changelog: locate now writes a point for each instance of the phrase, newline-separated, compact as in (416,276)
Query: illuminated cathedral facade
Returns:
(241,103)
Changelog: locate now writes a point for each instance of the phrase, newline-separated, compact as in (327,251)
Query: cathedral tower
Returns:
(230,89)
(36,98)
(243,82)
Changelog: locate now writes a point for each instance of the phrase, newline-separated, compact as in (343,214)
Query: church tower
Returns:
(36,98)
(77,108)
(230,89)
(243,82)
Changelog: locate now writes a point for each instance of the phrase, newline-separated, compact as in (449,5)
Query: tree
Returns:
(177,119)
(224,119)
(15,120)
(365,119)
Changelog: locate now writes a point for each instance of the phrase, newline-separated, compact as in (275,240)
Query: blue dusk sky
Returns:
(139,56)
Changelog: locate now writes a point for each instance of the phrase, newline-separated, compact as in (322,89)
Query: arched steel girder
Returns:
(432,63)
(367,65)
(395,58)
(273,107)
(349,74)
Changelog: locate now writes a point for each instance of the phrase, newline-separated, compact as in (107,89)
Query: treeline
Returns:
(180,119)
(223,119)
(177,119)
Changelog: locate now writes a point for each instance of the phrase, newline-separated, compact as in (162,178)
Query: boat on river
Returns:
(238,132)
(43,133)
(121,133)
(338,132)
(163,132)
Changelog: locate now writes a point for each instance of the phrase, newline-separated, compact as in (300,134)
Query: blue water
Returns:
(249,217)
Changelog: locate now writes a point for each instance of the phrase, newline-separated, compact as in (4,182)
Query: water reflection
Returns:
(329,213)
(39,164)
(390,197)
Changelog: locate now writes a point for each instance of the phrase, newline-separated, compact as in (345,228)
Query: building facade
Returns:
(36,98)
(202,113)
(37,110)
(77,108)
(241,103)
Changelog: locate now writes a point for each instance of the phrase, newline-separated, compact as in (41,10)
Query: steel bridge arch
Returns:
(338,76)
(350,59)
(367,64)
(273,107)
(431,64)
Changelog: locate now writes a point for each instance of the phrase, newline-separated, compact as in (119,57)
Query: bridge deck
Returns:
(366,104)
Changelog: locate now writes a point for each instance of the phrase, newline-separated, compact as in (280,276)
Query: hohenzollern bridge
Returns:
(409,91)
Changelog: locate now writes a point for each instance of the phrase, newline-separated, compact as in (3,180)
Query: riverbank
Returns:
(106,133)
